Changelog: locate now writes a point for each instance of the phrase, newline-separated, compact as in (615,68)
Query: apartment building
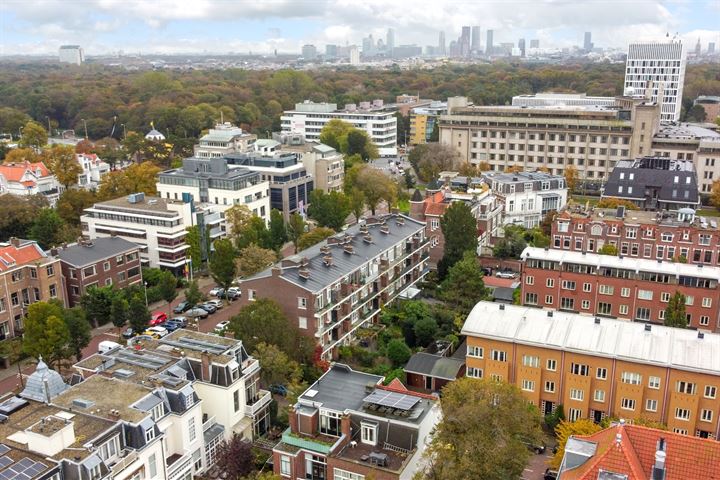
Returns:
(654,183)
(621,287)
(599,367)
(527,196)
(667,236)
(93,169)
(211,181)
(423,121)
(592,138)
(101,262)
(308,119)
(29,179)
(334,288)
(551,99)
(27,275)
(324,163)
(223,139)
(349,426)
(207,383)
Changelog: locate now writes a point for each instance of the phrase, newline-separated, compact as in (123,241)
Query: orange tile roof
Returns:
(11,256)
(434,204)
(397,386)
(686,457)
(13,172)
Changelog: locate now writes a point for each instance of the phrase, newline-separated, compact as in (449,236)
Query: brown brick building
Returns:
(27,275)
(627,288)
(100,262)
(599,367)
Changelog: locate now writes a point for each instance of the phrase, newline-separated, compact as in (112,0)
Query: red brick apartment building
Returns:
(332,289)
(621,287)
(638,234)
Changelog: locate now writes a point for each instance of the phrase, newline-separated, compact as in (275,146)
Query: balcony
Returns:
(261,401)
(318,443)
(178,465)
(124,462)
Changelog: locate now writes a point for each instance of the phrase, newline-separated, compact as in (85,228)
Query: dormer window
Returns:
(150,434)
(368,432)
(158,411)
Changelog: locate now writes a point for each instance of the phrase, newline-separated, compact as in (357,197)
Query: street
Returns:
(535,469)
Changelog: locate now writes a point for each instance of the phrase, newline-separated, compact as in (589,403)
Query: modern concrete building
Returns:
(621,287)
(29,179)
(599,367)
(223,139)
(659,66)
(551,99)
(587,42)
(527,197)
(423,121)
(489,47)
(309,52)
(354,55)
(309,118)
(71,54)
(326,165)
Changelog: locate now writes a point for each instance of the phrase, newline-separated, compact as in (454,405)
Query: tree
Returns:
(295,229)
(22,155)
(375,187)
(33,135)
(464,287)
(547,222)
(278,233)
(425,331)
(138,177)
(275,366)
(696,114)
(459,228)
(408,179)
(167,287)
(314,236)
(334,134)
(571,178)
(254,232)
(61,161)
(79,330)
(262,321)
(360,143)
(138,313)
(19,214)
(237,218)
(567,429)
(429,159)
(675,315)
(398,352)
(329,209)
(608,249)
(485,425)
(235,457)
(12,119)
(253,259)
(357,203)
(72,203)
(119,311)
(46,334)
(48,228)
(513,243)
(97,301)
(715,194)
(222,262)
(193,295)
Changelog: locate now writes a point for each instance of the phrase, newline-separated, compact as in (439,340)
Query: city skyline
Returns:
(108,26)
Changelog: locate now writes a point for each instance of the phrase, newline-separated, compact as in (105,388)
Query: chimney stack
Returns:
(658,470)
(293,420)
(205,366)
(15,242)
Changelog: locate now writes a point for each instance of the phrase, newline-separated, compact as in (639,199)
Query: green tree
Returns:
(278,232)
(696,114)
(675,315)
(253,259)
(425,331)
(138,313)
(79,330)
(262,321)
(61,161)
(329,209)
(193,295)
(608,249)
(398,353)
(194,240)
(19,214)
(12,119)
(375,187)
(334,134)
(33,135)
(119,311)
(48,229)
(485,425)
(167,287)
(429,159)
(464,287)
(567,429)
(222,262)
(96,301)
(314,236)
(138,177)
(408,179)
(459,228)
(360,143)
(237,218)
(275,366)
(295,229)
(356,203)
(571,178)
(72,203)
(46,334)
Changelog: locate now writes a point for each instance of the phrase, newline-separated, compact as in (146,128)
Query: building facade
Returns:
(599,367)
(223,139)
(29,179)
(334,288)
(619,287)
(551,99)
(71,54)
(93,169)
(423,121)
(327,167)
(527,197)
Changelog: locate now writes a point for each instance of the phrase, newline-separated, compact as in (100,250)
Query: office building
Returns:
(331,51)
(325,164)
(534,43)
(223,139)
(654,183)
(711,48)
(349,426)
(309,52)
(29,179)
(333,289)
(551,99)
(521,47)
(475,40)
(489,43)
(423,122)
(442,50)
(103,262)
(308,119)
(27,275)
(527,197)
(599,367)
(661,68)
(630,288)
(587,43)
(71,54)
(354,55)
(406,51)
(390,40)
(368,46)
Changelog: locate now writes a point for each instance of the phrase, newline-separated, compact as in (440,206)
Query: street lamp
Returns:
(146,300)
(85,123)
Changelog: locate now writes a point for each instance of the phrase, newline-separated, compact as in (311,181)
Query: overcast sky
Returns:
(185,26)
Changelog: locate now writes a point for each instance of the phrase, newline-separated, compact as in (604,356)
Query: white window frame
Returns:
(651,405)
(599,396)
(475,351)
(368,433)
(654,382)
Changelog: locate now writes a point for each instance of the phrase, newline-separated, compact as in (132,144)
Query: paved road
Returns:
(535,469)
(388,165)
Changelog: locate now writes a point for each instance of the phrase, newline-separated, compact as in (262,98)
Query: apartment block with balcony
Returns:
(323,162)
(27,275)
(599,367)
(334,288)
(223,139)
(93,169)
(349,426)
(619,287)
(424,120)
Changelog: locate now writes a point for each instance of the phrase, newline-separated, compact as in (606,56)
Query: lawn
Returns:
(708,212)
(404,206)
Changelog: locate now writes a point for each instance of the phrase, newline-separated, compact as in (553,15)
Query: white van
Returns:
(107,345)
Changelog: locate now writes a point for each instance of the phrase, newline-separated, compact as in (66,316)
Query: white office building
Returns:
(551,99)
(661,66)
(71,54)
(378,120)
(223,139)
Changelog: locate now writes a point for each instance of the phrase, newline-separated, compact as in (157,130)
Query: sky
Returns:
(101,27)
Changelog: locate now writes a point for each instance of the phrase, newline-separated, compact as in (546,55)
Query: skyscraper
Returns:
(698,48)
(475,42)
(534,43)
(354,55)
(309,52)
(521,47)
(441,44)
(489,43)
(390,40)
(587,44)
(711,48)
(71,54)
(464,41)
(660,66)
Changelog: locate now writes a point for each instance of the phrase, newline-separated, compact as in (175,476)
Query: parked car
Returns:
(487,271)
(182,321)
(231,295)
(158,318)
(170,326)
(156,332)
(216,292)
(128,333)
(197,312)
(278,389)
(505,274)
(208,307)
(550,474)
(107,345)
(218,304)
(182,307)
(221,327)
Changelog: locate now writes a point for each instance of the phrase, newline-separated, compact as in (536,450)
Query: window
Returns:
(681,431)
(579,369)
(585,305)
(531,361)
(631,378)
(706,415)
(302,323)
(53,291)
(665,297)
(531,298)
(120,259)
(568,285)
(548,299)
(473,372)
(236,400)
(623,310)
(498,355)
(604,308)
(368,433)
(192,434)
(689,300)
(252,295)
(110,448)
(528,385)
(550,282)
(89,271)
(627,404)
(50,270)
(654,383)
(599,396)
(587,287)
(625,292)
(710,391)
(707,302)
(651,405)
(158,411)
(645,294)
(601,373)
(550,387)
(106,266)
(285,465)
(33,273)
(150,434)
(330,423)
(552,364)
(567,303)
(529,280)
(704,320)
(302,303)
(574,414)
(606,290)
(475,351)
(682,414)
(345,475)
(642,313)
(686,387)
(577,394)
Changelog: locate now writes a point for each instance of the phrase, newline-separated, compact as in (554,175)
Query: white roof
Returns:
(571,332)
(627,263)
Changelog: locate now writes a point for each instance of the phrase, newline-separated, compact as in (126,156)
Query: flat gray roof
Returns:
(340,388)
(94,251)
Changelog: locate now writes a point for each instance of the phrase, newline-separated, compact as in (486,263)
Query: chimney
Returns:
(15,242)
(293,419)
(276,271)
(345,430)
(205,366)
(658,470)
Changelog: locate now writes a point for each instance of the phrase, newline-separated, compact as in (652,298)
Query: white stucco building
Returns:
(29,179)
(223,139)
(93,170)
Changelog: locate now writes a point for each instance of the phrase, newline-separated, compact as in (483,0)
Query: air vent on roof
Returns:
(701,335)
(349,249)
(367,238)
(502,307)
(399,221)
(123,373)
(597,321)
(328,260)
(648,327)
(550,314)
(325,249)
(363,228)
(384,228)
(82,403)
(311,393)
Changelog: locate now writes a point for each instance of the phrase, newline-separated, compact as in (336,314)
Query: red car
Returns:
(158,318)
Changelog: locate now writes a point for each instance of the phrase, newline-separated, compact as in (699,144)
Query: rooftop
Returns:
(209,168)
(223,132)
(677,348)
(20,253)
(85,253)
(675,180)
(141,203)
(685,131)
(446,368)
(641,217)
(13,172)
(520,177)
(340,388)
(14,462)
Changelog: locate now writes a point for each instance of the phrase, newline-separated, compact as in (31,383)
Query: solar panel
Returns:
(4,449)
(392,399)
(5,461)
(24,463)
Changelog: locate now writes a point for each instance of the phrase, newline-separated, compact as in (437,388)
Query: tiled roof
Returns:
(11,256)
(14,172)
